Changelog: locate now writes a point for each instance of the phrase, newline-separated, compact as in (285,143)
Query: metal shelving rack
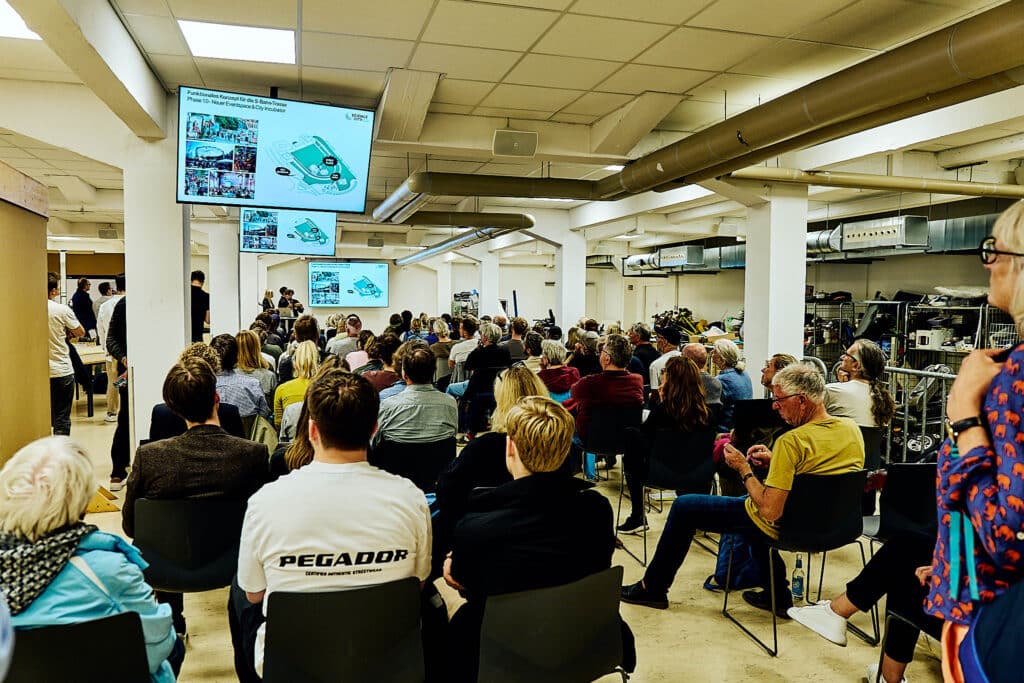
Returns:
(824,334)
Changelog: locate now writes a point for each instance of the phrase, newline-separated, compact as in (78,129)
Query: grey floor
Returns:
(690,641)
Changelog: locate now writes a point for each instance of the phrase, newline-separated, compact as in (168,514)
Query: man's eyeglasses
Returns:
(780,399)
(988,253)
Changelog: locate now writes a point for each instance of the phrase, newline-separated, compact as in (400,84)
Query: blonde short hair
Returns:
(440,327)
(509,386)
(542,431)
(1009,229)
(730,354)
(44,487)
(305,360)
(201,351)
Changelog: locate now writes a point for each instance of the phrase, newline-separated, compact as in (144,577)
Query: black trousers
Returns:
(62,394)
(890,574)
(177,604)
(244,620)
(120,452)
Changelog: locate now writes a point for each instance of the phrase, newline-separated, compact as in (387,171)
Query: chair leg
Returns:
(774,650)
(618,514)
(821,575)
(873,638)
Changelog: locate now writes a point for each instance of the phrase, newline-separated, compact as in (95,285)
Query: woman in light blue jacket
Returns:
(736,384)
(56,570)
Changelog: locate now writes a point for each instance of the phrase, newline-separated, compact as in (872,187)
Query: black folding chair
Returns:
(611,429)
(906,504)
(822,513)
(363,634)
(678,461)
(874,438)
(191,544)
(97,651)
(421,463)
(565,634)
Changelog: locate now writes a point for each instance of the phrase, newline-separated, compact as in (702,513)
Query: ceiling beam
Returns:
(1010,147)
(403,106)
(619,131)
(91,40)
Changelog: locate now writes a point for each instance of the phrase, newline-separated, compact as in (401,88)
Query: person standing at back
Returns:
(105,296)
(103,316)
(200,305)
(81,304)
(62,322)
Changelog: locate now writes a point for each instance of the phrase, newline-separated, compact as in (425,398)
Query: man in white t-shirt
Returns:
(356,526)
(668,344)
(62,322)
(461,350)
(103,316)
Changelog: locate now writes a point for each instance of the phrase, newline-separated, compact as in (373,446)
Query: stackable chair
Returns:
(609,432)
(421,463)
(906,504)
(822,513)
(565,634)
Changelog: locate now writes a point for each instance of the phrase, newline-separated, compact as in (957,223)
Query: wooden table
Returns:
(91,355)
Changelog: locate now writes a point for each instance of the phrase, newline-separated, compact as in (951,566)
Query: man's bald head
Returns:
(697,353)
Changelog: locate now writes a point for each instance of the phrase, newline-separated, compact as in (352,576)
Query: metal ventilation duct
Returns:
(643,262)
(823,242)
(507,223)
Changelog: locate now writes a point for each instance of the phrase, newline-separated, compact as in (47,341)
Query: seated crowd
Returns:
(509,513)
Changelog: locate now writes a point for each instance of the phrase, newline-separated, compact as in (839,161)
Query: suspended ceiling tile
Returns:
(354,52)
(879,24)
(401,19)
(38,75)
(560,72)
(691,115)
(494,26)
(471,63)
(801,61)
(636,78)
(660,11)
(258,74)
(529,97)
(176,70)
(597,103)
(344,81)
(768,17)
(150,7)
(574,118)
(11,152)
(276,14)
(455,91)
(556,5)
(104,183)
(158,35)
(599,38)
(742,89)
(513,113)
(703,49)
(57,155)
(442,108)
(32,165)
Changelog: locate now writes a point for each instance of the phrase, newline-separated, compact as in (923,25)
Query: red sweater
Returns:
(608,388)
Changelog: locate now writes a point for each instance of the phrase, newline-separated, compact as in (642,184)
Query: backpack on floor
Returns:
(745,573)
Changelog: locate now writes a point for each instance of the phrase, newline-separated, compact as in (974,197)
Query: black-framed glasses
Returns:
(988,253)
(780,399)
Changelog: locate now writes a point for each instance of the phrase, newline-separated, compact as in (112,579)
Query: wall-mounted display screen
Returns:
(279,231)
(355,284)
(246,150)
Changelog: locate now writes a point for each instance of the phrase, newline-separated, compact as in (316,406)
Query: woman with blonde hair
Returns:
(736,384)
(57,570)
(252,363)
(295,450)
(305,362)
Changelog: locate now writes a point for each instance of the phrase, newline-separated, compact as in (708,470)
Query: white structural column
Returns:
(570,279)
(488,289)
(775,276)
(156,254)
(250,294)
(444,286)
(223,279)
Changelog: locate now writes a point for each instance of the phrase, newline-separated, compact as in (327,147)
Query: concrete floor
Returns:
(691,641)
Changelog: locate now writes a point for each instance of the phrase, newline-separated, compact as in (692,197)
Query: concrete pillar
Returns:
(250,294)
(444,287)
(156,255)
(571,279)
(488,289)
(224,279)
(775,275)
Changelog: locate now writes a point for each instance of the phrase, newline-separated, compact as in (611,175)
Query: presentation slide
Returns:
(278,231)
(246,150)
(348,285)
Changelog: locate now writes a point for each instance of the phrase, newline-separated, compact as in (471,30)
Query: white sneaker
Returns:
(822,620)
(116,483)
(111,417)
(873,674)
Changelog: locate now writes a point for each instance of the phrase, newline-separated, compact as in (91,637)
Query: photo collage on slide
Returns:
(325,288)
(259,230)
(220,156)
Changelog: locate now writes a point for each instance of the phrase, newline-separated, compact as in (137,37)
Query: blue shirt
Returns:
(736,386)
(243,392)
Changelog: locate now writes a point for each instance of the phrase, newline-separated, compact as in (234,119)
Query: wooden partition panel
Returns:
(24,370)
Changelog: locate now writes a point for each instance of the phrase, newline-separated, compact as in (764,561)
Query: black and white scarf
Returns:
(27,568)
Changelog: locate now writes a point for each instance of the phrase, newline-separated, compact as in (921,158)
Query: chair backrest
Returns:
(610,427)
(823,511)
(459,372)
(565,634)
(98,651)
(421,463)
(191,544)
(873,439)
(362,634)
(441,368)
(682,460)
(907,502)
(263,432)
(248,425)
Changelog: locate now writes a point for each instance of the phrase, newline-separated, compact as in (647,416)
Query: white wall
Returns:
(533,296)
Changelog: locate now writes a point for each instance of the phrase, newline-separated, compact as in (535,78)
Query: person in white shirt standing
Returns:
(668,341)
(103,315)
(357,525)
(62,323)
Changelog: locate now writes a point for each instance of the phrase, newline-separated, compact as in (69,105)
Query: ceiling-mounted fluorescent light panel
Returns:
(246,43)
(12,25)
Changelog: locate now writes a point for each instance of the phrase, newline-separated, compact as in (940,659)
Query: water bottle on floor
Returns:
(797,583)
